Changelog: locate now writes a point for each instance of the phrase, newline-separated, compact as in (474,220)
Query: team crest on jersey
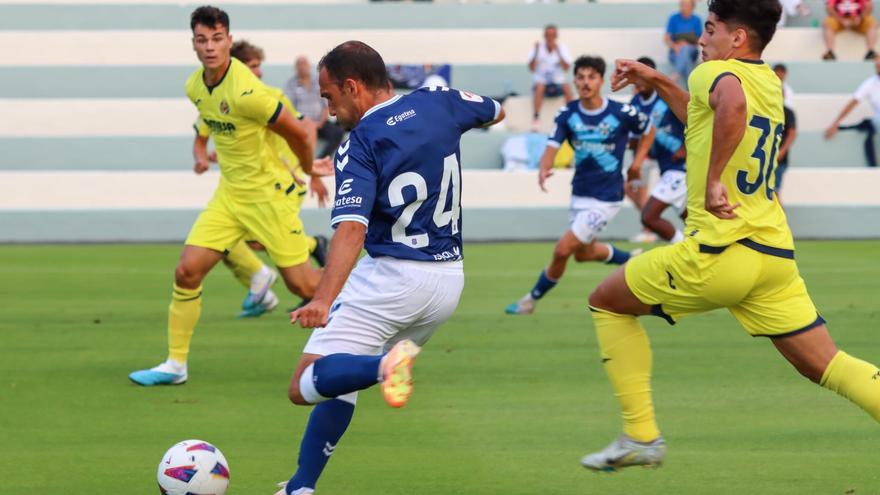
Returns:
(604,129)
(224,107)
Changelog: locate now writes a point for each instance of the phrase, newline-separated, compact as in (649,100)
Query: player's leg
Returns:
(258,278)
(301,279)
(380,299)
(183,314)
(215,231)
(781,308)
(665,282)
(669,191)
(638,194)
(549,277)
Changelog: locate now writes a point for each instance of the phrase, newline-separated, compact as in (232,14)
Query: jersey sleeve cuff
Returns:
(275,115)
(719,78)
(553,144)
(647,130)
(349,218)
(497,109)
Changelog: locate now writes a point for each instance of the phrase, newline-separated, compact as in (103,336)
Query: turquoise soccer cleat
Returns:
(269,302)
(164,374)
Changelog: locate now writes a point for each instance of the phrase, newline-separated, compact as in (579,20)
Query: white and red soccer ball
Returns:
(193,467)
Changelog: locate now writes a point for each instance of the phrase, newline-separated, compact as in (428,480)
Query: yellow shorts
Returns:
(764,292)
(275,224)
(867,23)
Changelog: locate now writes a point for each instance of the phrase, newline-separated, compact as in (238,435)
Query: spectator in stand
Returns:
(303,91)
(789,132)
(682,33)
(870,90)
(787,94)
(791,8)
(855,15)
(549,61)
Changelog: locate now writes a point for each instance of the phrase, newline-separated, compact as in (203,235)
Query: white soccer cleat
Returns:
(625,452)
(396,370)
(644,237)
(301,491)
(524,306)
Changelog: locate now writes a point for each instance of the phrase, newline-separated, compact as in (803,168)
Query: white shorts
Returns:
(386,300)
(672,189)
(589,216)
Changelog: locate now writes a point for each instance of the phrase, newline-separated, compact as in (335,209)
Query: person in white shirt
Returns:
(549,60)
(868,90)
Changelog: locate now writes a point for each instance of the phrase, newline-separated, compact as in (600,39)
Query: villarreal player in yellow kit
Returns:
(739,253)
(252,199)
(244,264)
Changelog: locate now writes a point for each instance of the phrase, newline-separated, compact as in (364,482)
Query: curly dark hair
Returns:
(758,17)
(589,62)
(209,16)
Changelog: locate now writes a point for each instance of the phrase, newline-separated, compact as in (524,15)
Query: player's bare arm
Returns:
(296,133)
(545,169)
(729,103)
(629,71)
(644,147)
(200,154)
(345,247)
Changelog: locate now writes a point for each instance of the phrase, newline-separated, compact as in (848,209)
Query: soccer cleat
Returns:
(625,452)
(260,285)
(301,491)
(164,374)
(396,371)
(320,252)
(524,306)
(270,302)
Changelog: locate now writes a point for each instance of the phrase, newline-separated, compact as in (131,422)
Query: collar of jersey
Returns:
(381,105)
(593,113)
(650,100)
(211,88)
(750,61)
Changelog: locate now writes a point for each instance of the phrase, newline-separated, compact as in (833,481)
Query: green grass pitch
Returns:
(503,405)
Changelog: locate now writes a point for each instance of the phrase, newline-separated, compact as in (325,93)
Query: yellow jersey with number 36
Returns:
(237,111)
(750,175)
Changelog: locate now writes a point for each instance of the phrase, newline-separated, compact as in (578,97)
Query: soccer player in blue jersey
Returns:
(398,195)
(598,129)
(670,154)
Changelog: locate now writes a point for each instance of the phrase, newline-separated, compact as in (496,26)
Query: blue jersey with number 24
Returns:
(399,173)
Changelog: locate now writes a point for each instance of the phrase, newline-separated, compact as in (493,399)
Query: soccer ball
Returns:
(193,466)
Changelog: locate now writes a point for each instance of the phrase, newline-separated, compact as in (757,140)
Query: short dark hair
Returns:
(590,62)
(551,26)
(209,16)
(759,17)
(780,68)
(647,61)
(244,51)
(356,60)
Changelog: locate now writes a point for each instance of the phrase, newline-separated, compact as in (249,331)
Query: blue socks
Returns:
(327,423)
(339,374)
(542,286)
(617,256)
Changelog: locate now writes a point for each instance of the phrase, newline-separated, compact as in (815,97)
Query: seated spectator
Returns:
(854,15)
(303,91)
(870,90)
(549,60)
(682,33)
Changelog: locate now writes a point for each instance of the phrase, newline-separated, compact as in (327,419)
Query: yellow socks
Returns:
(183,314)
(626,355)
(856,380)
(312,243)
(243,262)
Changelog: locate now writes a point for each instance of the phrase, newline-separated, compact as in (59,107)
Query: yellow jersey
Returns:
(287,160)
(750,175)
(237,111)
